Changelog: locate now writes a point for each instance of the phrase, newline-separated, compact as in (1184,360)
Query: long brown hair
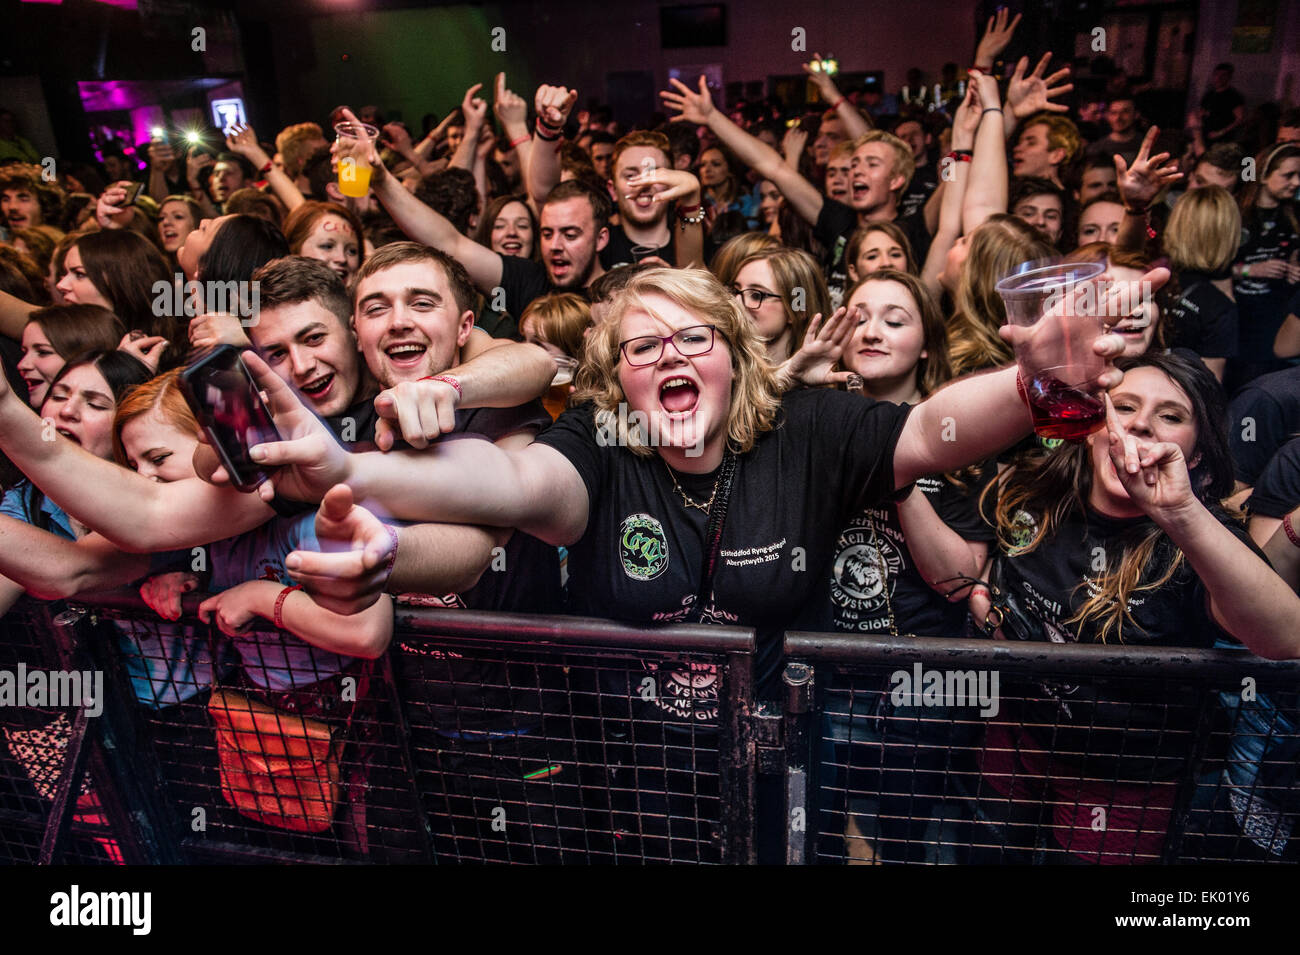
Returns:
(800,284)
(1052,488)
(126,268)
(72,330)
(934,370)
(1265,163)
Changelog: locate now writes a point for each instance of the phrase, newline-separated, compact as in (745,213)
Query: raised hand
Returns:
(352,568)
(997,35)
(162,156)
(966,121)
(825,85)
(677,183)
(111,210)
(363,149)
(792,145)
(553,104)
(1140,182)
(242,140)
(418,412)
(486,140)
(823,344)
(1027,95)
(397,139)
(1154,473)
(195,162)
(474,107)
(146,348)
(694,107)
(509,107)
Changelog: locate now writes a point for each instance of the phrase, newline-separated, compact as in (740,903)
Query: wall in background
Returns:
(1259,76)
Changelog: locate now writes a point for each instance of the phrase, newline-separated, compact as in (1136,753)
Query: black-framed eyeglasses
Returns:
(753,297)
(689,342)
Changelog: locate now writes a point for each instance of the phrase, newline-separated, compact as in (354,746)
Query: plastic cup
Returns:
(354,172)
(1061,302)
(557,397)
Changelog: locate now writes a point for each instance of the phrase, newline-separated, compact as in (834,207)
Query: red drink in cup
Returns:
(1061,303)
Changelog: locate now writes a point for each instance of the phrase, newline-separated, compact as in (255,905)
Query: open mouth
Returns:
(69,435)
(679,396)
(318,388)
(860,190)
(560,267)
(34,384)
(406,354)
(512,247)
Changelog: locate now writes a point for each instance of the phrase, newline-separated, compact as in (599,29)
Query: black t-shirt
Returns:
(918,192)
(1262,417)
(1200,317)
(1106,147)
(836,225)
(1262,303)
(1219,106)
(1277,492)
(639,559)
(873,547)
(619,250)
(460,695)
(1121,727)
(524,280)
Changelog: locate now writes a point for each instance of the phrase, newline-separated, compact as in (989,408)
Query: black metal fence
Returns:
(970,751)
(486,737)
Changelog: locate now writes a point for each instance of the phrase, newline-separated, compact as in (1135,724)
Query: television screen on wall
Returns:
(703,24)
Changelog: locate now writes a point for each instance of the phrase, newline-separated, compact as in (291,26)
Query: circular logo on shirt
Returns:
(642,547)
(858,577)
(1023,529)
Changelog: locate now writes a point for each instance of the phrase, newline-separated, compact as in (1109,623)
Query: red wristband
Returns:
(1290,531)
(688,210)
(447,380)
(836,105)
(267,168)
(279,605)
(392,558)
(518,140)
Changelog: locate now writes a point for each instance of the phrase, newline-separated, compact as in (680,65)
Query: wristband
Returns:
(961,155)
(991,109)
(446,380)
(541,135)
(981,69)
(519,140)
(1024,393)
(267,168)
(279,605)
(1290,531)
(836,105)
(392,558)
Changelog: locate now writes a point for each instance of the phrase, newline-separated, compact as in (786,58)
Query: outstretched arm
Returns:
(986,190)
(697,107)
(65,568)
(419,221)
(854,124)
(1139,184)
(244,142)
(133,512)
(365,634)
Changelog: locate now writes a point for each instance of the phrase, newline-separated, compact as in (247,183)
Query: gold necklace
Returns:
(685,498)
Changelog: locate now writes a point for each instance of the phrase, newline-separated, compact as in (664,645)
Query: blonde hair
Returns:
(754,395)
(726,261)
(1204,230)
(560,319)
(996,248)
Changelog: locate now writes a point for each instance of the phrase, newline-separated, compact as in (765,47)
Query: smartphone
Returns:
(226,402)
(132,193)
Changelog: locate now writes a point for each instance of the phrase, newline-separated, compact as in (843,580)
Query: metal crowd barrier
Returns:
(479,737)
(484,737)
(971,751)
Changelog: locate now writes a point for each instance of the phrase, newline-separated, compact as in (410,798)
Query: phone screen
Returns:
(226,402)
(133,192)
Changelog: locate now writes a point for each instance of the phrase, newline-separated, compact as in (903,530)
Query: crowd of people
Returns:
(796,403)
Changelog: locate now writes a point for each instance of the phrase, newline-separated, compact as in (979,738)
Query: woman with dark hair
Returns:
(123,272)
(231,248)
(509,227)
(1118,539)
(56,335)
(903,567)
(724,190)
(329,232)
(1265,275)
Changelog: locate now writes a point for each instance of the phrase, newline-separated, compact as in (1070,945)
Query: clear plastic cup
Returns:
(1061,302)
(354,172)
